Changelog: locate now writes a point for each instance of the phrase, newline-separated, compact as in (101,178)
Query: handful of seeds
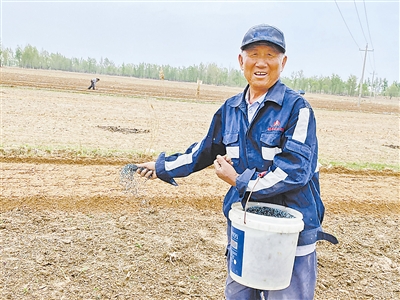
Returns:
(269,212)
(130,180)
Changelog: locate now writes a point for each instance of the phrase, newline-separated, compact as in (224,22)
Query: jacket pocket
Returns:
(231,142)
(270,143)
(299,148)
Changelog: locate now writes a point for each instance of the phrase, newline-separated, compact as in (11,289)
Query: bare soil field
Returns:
(68,230)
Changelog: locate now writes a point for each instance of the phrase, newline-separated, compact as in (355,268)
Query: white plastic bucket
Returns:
(263,250)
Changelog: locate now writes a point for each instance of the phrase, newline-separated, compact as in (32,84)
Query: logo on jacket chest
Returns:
(276,126)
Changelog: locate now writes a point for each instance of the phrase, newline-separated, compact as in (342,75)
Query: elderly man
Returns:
(268,129)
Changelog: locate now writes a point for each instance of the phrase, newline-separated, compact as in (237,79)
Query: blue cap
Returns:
(264,33)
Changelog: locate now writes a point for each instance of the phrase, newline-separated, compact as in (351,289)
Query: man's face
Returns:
(262,66)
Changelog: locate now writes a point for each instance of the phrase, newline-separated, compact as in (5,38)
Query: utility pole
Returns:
(362,75)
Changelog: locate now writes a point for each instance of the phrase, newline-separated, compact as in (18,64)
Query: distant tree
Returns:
(45,62)
(235,78)
(294,79)
(213,73)
(351,85)
(91,65)
(320,84)
(335,84)
(393,90)
(365,90)
(75,65)
(7,57)
(192,73)
(326,84)
(202,71)
(30,57)
(313,84)
(18,55)
(223,77)
(385,85)
(302,81)
(101,67)
(59,62)
(108,67)
(373,87)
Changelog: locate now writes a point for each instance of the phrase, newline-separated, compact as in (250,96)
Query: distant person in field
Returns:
(267,132)
(93,83)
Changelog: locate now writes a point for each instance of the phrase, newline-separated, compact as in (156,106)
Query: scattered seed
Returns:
(128,178)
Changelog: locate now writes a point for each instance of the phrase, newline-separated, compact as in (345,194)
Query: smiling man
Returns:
(262,63)
(267,132)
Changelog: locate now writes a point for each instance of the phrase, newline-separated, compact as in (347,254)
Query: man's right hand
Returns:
(147,170)
(225,170)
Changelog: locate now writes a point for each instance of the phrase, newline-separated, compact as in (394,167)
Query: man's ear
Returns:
(240,59)
(284,59)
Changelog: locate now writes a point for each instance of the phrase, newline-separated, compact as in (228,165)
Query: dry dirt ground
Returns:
(69,231)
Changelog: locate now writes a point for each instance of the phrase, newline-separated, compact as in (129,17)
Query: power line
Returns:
(346,25)
(369,34)
(359,21)
(366,47)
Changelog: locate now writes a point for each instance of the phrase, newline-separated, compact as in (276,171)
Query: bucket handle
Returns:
(260,175)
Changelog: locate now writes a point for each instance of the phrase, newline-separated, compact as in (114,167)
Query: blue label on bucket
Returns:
(236,259)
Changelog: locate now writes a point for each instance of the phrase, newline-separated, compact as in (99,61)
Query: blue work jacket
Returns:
(280,139)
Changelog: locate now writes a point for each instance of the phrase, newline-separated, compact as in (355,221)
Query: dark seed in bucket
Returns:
(269,211)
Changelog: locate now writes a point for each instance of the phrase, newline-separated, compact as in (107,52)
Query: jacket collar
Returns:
(275,94)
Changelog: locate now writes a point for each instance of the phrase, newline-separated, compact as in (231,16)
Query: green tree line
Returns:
(211,73)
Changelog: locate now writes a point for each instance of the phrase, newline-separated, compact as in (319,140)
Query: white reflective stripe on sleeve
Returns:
(233,152)
(269,153)
(267,181)
(300,132)
(305,250)
(317,168)
(184,159)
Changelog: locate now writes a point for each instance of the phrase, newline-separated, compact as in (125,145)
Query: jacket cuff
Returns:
(242,181)
(161,172)
(311,236)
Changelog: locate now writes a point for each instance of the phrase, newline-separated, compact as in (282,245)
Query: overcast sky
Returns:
(321,38)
